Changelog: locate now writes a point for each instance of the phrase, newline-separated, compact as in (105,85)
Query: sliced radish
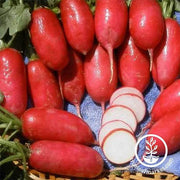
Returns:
(125,90)
(120,112)
(119,146)
(134,102)
(111,126)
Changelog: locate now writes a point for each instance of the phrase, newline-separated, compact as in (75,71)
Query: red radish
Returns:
(118,146)
(67,159)
(166,59)
(44,88)
(13,82)
(167,127)
(120,112)
(111,126)
(146,23)
(134,102)
(78,24)
(72,80)
(125,90)
(97,75)
(111,21)
(167,101)
(133,66)
(48,39)
(55,124)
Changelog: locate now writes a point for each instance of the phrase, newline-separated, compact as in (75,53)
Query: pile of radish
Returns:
(119,121)
(91,47)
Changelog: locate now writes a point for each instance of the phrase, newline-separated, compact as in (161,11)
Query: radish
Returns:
(13,81)
(72,80)
(55,157)
(67,159)
(97,75)
(111,21)
(119,146)
(48,39)
(144,16)
(167,127)
(133,66)
(78,23)
(134,102)
(111,126)
(166,60)
(125,90)
(167,101)
(55,124)
(44,87)
(120,112)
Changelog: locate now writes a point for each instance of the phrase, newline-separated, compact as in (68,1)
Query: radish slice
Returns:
(125,90)
(120,112)
(134,102)
(119,146)
(111,126)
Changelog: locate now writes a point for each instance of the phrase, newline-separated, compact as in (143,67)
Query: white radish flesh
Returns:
(119,146)
(111,126)
(120,112)
(125,90)
(134,102)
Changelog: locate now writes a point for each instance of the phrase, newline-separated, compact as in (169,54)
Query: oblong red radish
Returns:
(142,17)
(68,159)
(120,112)
(166,56)
(97,75)
(125,90)
(111,20)
(78,23)
(133,65)
(72,80)
(111,126)
(48,39)
(167,101)
(119,146)
(134,102)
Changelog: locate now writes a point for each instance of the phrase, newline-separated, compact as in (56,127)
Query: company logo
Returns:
(150,158)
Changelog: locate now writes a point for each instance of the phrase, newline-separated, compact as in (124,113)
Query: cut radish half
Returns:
(111,126)
(125,90)
(134,102)
(120,112)
(119,146)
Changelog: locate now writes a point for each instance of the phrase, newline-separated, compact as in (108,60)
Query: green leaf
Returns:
(14,18)
(177,5)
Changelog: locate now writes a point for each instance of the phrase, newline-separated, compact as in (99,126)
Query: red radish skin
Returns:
(97,74)
(55,124)
(67,159)
(167,101)
(72,80)
(133,66)
(167,127)
(125,90)
(113,143)
(146,23)
(111,20)
(166,60)
(78,23)
(13,81)
(44,87)
(48,39)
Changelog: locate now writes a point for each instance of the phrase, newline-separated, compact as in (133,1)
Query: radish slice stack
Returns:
(119,121)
